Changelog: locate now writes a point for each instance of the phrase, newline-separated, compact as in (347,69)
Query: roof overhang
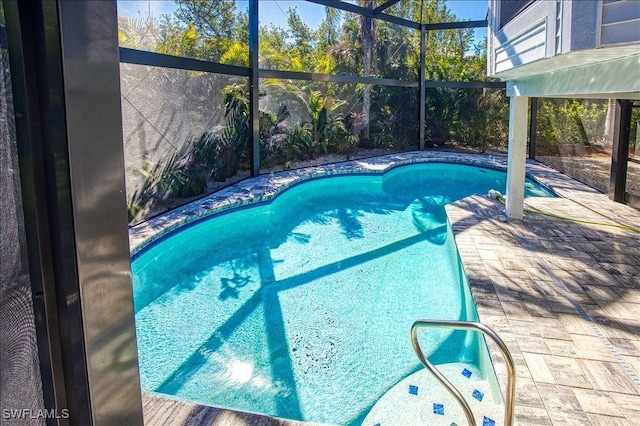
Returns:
(611,73)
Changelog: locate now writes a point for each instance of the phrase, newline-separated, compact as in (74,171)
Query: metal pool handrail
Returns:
(473,326)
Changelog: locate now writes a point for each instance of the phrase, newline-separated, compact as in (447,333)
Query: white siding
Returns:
(527,38)
(526,47)
(620,22)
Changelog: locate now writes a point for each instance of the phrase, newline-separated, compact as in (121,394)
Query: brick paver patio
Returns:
(564,296)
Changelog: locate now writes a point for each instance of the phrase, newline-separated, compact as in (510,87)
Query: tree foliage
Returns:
(571,121)
(300,120)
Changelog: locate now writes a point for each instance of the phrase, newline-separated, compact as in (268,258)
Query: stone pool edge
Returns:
(266,187)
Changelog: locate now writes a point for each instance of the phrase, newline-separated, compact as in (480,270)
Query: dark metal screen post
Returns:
(93,118)
(423,95)
(41,133)
(533,127)
(254,87)
(69,135)
(620,151)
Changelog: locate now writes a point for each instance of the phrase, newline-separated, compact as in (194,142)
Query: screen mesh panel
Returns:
(20,383)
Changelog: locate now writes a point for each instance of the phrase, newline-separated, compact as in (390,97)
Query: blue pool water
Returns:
(301,308)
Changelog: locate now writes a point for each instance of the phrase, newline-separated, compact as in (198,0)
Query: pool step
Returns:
(420,399)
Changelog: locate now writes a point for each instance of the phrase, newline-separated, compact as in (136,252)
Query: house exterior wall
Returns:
(546,28)
(620,22)
(511,9)
(583,18)
(526,38)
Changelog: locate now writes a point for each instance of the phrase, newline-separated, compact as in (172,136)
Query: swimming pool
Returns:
(301,307)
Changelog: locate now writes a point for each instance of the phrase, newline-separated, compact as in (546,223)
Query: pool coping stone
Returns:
(265,188)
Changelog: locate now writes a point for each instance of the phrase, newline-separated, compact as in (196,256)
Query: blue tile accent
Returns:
(413,390)
(466,373)
(377,424)
(486,421)
(438,409)
(478,395)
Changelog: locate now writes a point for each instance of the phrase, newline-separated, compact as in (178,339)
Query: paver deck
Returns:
(565,297)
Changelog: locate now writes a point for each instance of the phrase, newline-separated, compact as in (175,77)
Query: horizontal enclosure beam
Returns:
(384,6)
(355,79)
(455,25)
(141,57)
(377,14)
(349,7)
(466,84)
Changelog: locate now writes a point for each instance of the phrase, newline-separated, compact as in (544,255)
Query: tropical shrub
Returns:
(301,141)
(482,119)
(273,139)
(571,121)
